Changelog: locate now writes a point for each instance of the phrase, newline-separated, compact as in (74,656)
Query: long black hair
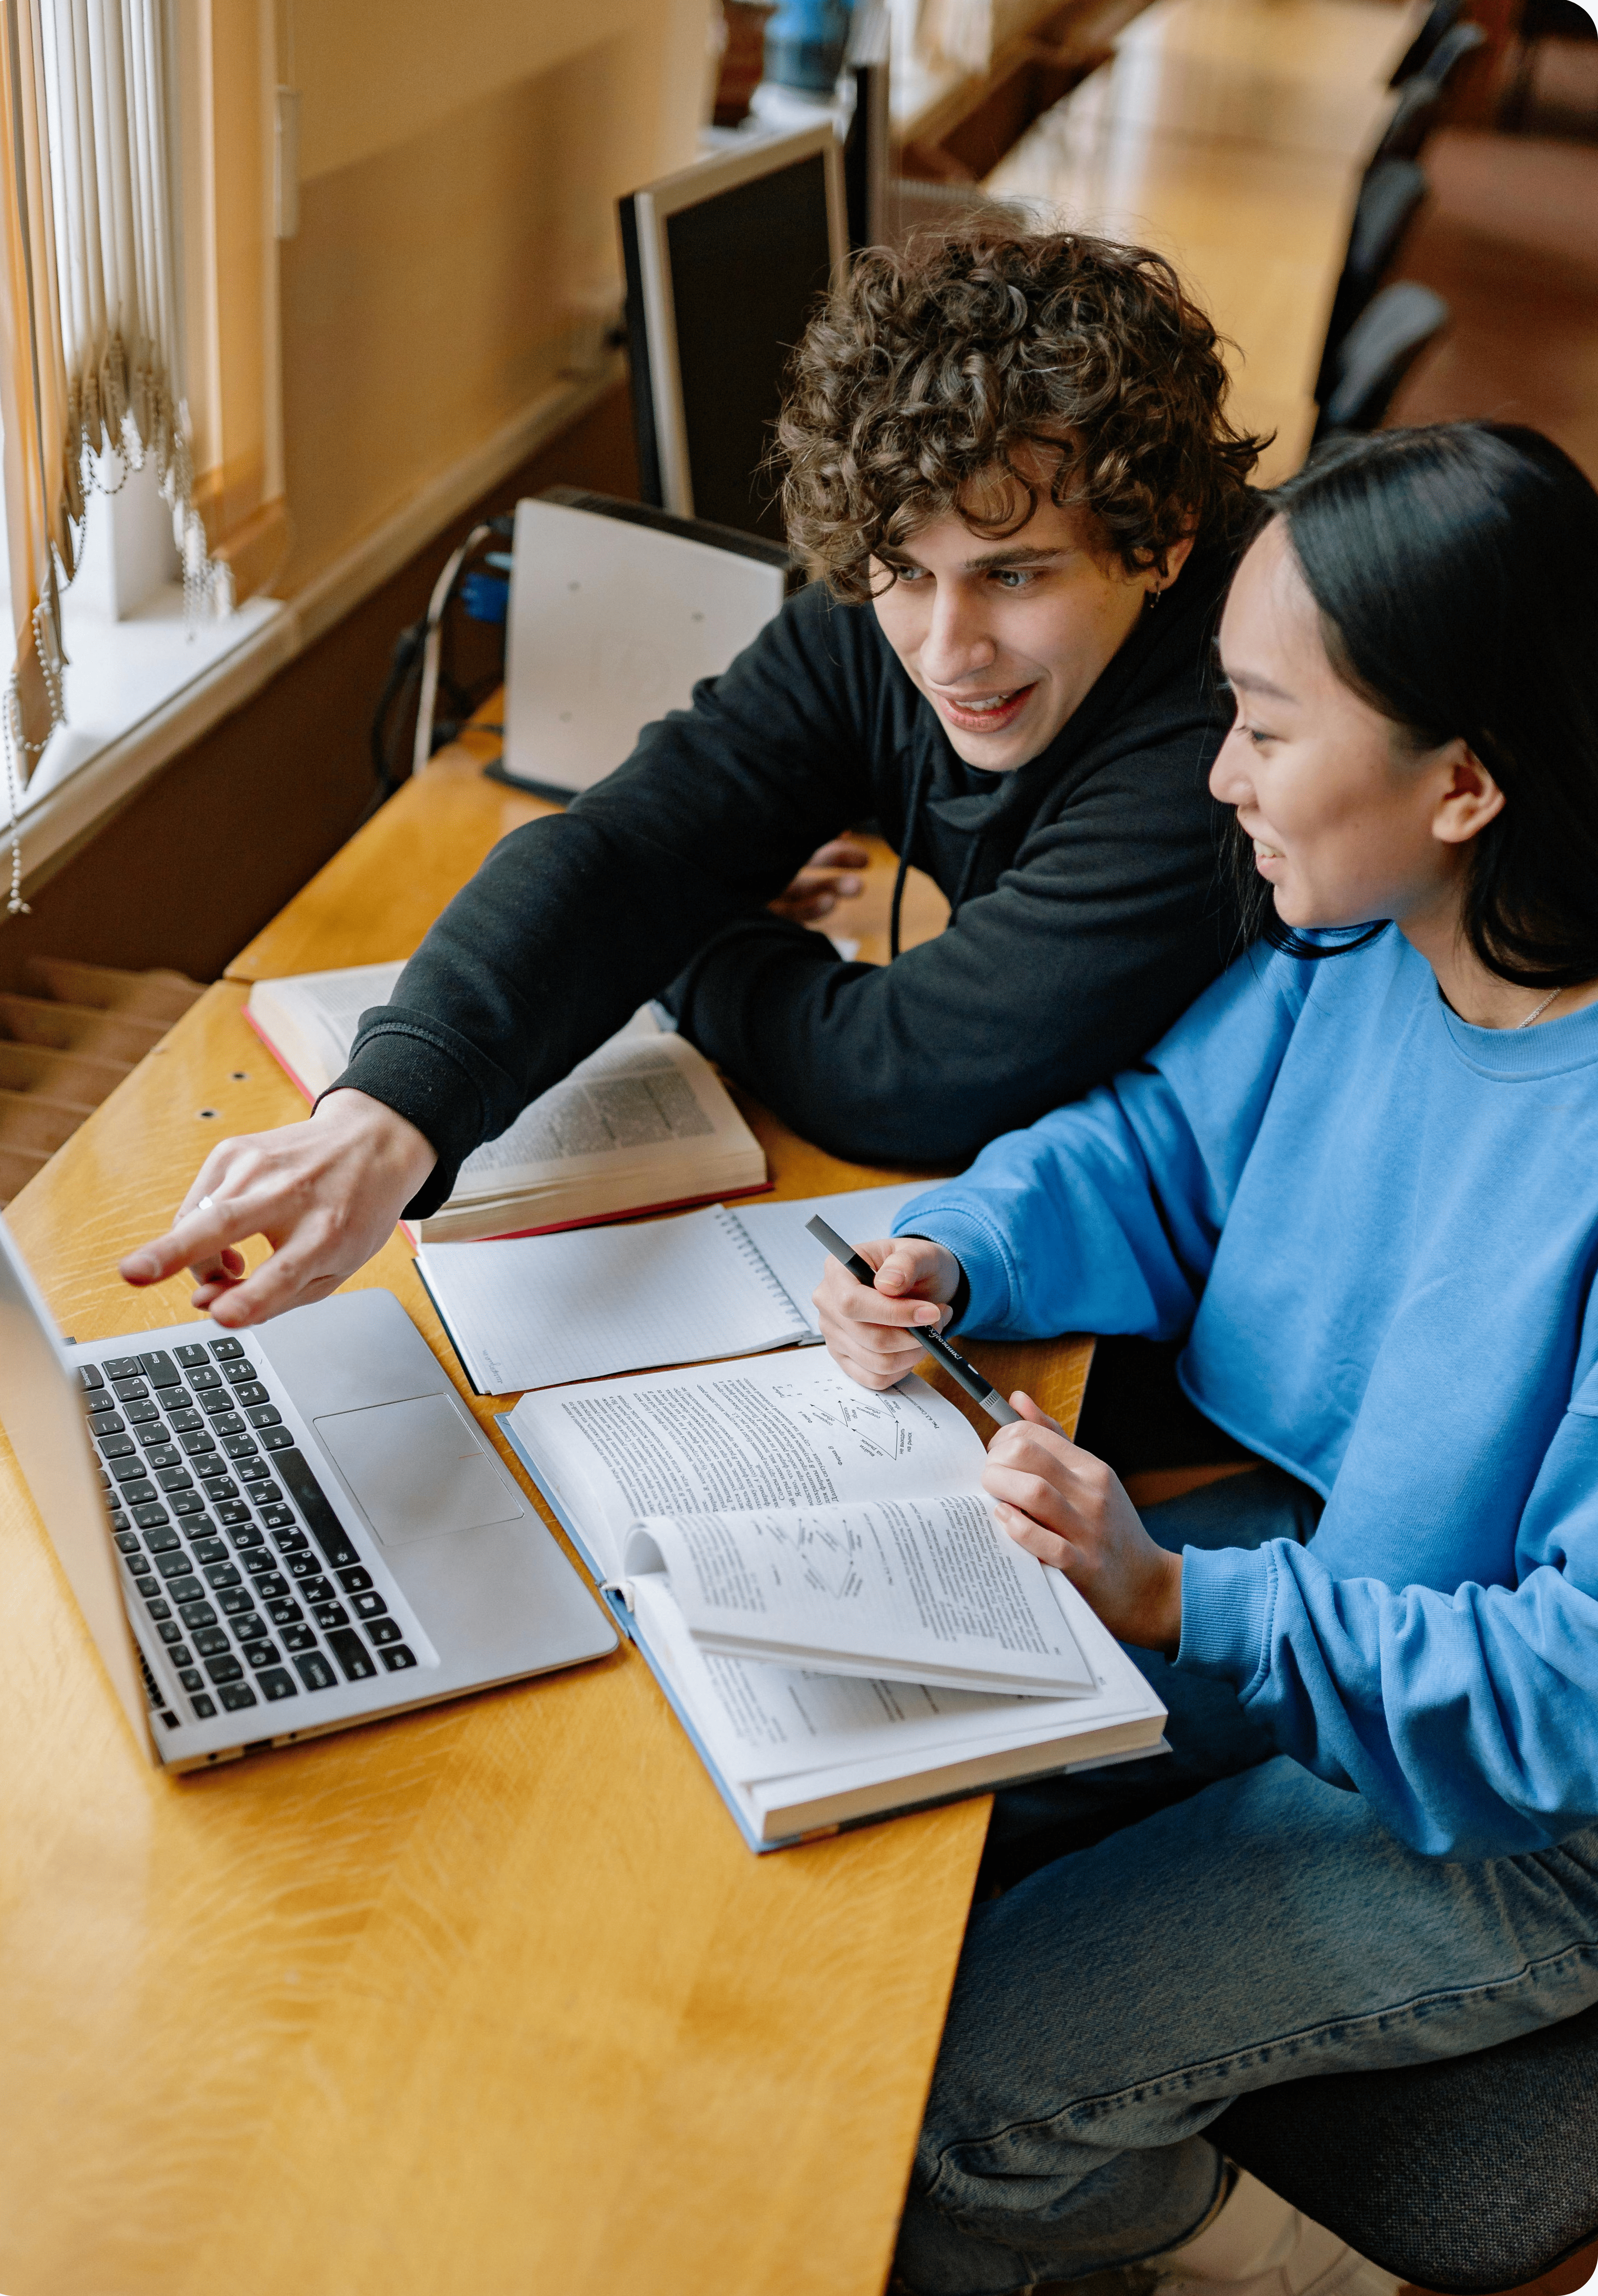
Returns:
(1456,569)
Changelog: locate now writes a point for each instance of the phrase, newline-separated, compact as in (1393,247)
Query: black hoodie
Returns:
(1086,914)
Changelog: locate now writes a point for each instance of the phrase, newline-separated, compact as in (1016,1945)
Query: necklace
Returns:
(1543,1007)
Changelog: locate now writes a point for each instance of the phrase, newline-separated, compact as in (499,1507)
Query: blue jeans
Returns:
(1207,1922)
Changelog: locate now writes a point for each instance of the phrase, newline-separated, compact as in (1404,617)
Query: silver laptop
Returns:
(306,1527)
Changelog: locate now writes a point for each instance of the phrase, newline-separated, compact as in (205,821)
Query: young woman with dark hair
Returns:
(1360,1177)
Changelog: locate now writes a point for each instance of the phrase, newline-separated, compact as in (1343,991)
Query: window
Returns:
(142,468)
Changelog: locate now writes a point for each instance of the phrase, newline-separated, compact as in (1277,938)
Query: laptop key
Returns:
(277,1517)
(283,1611)
(190,1356)
(238,1370)
(317,1590)
(162,1539)
(226,1423)
(369,1606)
(140,1415)
(251,1471)
(233,1600)
(174,1564)
(126,1541)
(398,1657)
(174,1478)
(159,1369)
(297,1638)
(190,1678)
(116,1445)
(171,1634)
(240,1447)
(204,1707)
(234,1511)
(210,1549)
(305,1567)
(265,1494)
(153,1517)
(196,1613)
(384,1630)
(142,1493)
(148,1586)
(124,1468)
(236,1694)
(330,1614)
(219,1487)
(275,1684)
(264,1414)
(90,1376)
(187,1422)
(119,1519)
(196,1440)
(158,1609)
(249,1626)
(191,1503)
(224,1670)
(130,1390)
(211,1642)
(315,1671)
(354,1579)
(184,1591)
(122,1367)
(352,1655)
(250,1391)
(276,1438)
(223,1349)
(259,1655)
(308,1495)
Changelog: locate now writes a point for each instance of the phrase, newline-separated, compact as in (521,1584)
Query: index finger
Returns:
(197,1239)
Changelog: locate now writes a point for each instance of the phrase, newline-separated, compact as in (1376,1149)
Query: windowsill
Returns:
(137,691)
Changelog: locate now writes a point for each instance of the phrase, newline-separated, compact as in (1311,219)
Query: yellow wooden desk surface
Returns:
(484,2001)
(1300,75)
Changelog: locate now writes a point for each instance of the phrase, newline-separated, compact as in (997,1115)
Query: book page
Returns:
(531,1311)
(777,1232)
(933,1586)
(787,1430)
(635,1097)
(761,1721)
(311,1018)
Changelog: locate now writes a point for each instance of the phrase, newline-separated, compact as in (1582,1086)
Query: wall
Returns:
(459,169)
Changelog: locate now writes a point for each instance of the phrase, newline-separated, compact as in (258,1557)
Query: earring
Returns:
(1153,598)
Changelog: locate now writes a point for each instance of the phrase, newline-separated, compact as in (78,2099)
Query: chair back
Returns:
(1414,116)
(1377,353)
(1451,52)
(1443,15)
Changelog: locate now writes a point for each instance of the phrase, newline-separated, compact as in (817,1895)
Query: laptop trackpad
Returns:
(417,1470)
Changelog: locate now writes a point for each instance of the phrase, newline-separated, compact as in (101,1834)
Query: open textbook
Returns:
(775,1496)
(642,1124)
(533,1310)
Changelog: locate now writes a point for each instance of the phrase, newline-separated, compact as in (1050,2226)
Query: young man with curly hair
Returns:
(1008,458)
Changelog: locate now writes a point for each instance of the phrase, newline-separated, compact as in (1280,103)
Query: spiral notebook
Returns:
(536,1311)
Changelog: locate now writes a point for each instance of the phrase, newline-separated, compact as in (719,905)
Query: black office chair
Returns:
(1367,366)
(1455,48)
(1540,19)
(1414,116)
(1445,15)
(1389,198)
(1467,2174)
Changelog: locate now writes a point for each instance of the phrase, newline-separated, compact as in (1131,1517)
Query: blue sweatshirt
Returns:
(1377,1226)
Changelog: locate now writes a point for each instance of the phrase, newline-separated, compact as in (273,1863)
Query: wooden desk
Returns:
(485,2001)
(1231,135)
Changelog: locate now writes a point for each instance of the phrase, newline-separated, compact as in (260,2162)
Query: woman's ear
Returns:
(1469,796)
(1177,557)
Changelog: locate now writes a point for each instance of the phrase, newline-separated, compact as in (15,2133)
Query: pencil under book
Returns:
(539,1311)
(643,1125)
(813,1576)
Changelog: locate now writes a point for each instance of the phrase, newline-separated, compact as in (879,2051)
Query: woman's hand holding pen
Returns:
(874,1335)
(1066,1507)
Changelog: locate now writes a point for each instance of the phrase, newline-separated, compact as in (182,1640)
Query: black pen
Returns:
(964,1374)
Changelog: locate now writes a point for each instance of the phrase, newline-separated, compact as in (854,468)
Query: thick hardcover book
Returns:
(813,1576)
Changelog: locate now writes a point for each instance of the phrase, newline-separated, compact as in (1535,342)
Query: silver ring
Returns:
(206,1204)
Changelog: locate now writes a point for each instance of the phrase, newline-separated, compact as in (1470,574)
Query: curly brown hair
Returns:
(925,372)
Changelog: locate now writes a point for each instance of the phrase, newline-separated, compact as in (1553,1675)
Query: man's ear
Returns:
(1469,796)
(1177,557)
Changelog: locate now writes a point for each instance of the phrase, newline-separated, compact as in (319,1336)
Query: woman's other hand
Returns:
(1066,1507)
(874,1333)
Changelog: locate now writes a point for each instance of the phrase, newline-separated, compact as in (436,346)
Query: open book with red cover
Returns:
(645,1124)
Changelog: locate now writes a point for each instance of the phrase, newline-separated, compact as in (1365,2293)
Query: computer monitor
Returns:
(725,265)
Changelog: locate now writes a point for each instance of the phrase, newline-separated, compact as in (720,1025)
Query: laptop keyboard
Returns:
(247,1574)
